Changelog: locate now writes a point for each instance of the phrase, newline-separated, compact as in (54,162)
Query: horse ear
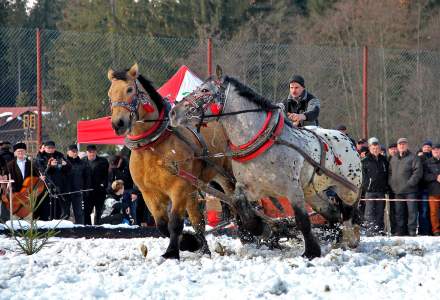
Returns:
(134,71)
(110,74)
(219,72)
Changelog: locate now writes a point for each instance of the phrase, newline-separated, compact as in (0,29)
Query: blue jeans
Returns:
(424,221)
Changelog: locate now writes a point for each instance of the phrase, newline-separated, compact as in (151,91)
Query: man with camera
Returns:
(53,166)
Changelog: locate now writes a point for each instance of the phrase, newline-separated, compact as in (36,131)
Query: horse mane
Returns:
(250,94)
(152,92)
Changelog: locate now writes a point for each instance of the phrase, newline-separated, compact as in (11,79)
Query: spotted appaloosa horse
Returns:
(154,145)
(265,165)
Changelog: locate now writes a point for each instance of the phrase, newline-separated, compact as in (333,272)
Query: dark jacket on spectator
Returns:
(56,174)
(431,169)
(120,170)
(16,175)
(6,155)
(79,175)
(405,173)
(308,105)
(98,173)
(375,174)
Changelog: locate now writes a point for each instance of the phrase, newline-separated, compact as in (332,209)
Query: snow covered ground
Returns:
(381,268)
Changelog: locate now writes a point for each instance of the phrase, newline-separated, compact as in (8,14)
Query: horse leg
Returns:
(198,223)
(312,248)
(350,217)
(248,222)
(157,204)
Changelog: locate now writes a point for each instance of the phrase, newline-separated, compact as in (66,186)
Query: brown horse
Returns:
(155,147)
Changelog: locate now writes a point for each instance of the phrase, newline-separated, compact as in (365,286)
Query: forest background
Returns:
(260,42)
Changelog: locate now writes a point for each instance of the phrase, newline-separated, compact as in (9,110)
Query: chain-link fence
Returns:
(403,85)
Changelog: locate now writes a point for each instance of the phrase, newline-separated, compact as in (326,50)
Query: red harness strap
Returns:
(149,131)
(163,136)
(265,146)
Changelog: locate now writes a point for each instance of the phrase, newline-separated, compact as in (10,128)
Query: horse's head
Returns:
(128,100)
(207,99)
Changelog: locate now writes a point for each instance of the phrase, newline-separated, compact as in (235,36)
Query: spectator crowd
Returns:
(409,181)
(97,190)
(87,189)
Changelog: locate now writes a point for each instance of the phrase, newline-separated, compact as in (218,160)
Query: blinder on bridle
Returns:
(132,105)
(201,98)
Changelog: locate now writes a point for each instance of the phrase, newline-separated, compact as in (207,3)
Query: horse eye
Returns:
(129,90)
(205,91)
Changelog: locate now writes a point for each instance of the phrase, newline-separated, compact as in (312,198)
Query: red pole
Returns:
(39,92)
(365,94)
(209,57)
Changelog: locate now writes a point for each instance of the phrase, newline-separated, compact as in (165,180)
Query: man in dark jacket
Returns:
(5,151)
(301,107)
(424,223)
(431,175)
(406,170)
(55,168)
(20,167)
(119,170)
(375,185)
(78,180)
(99,169)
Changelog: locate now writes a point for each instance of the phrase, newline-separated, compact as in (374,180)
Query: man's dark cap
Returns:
(298,79)
(49,144)
(19,146)
(91,148)
(436,146)
(364,149)
(341,127)
(72,147)
(392,145)
(427,142)
(362,141)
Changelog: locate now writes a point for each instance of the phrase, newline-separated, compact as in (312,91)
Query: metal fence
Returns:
(403,85)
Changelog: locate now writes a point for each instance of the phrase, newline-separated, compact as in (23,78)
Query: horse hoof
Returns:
(172,254)
(205,251)
(351,236)
(189,242)
(311,254)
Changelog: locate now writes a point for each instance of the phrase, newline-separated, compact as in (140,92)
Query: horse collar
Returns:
(157,133)
(262,141)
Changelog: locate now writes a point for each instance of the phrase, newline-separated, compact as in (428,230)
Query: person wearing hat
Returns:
(301,107)
(375,186)
(53,165)
(425,153)
(78,179)
(431,175)
(20,167)
(406,171)
(99,168)
(392,150)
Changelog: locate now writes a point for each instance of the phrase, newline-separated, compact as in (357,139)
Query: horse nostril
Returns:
(173,114)
(120,123)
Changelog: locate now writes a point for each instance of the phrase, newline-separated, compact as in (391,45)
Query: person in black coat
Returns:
(19,169)
(55,169)
(99,168)
(78,180)
(5,151)
(375,185)
(431,175)
(119,170)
